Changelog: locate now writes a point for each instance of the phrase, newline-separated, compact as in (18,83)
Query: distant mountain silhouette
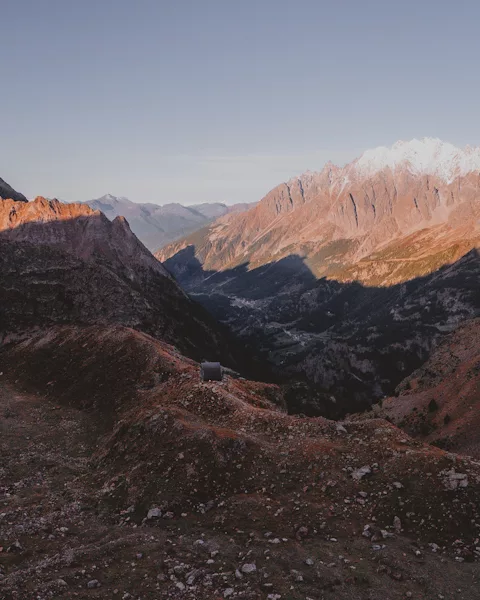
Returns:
(6,191)
(157,225)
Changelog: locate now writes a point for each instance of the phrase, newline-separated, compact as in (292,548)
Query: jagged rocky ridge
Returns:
(336,218)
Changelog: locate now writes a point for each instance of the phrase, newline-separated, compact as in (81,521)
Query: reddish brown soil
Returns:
(440,402)
(99,425)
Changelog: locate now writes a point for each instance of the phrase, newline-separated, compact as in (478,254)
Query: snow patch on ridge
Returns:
(429,156)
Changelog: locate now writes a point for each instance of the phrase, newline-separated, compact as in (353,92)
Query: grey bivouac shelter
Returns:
(211,371)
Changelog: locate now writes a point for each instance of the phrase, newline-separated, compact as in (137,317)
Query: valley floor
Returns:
(55,541)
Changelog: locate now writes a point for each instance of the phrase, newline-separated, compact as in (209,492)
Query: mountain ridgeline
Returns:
(7,192)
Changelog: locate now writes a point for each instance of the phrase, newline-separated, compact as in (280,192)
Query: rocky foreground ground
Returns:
(123,476)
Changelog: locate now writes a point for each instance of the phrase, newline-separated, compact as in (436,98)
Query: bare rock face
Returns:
(337,217)
(349,276)
(6,191)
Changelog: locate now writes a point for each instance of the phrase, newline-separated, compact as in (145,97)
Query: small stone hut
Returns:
(211,371)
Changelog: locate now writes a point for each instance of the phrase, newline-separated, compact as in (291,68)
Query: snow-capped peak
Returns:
(428,156)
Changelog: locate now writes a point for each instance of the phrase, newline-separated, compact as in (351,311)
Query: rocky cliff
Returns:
(339,216)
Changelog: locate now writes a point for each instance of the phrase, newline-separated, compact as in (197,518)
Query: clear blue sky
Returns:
(220,100)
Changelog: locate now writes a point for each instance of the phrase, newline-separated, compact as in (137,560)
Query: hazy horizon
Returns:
(219,102)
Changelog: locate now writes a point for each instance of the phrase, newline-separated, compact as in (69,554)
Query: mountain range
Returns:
(349,276)
(335,218)
(157,225)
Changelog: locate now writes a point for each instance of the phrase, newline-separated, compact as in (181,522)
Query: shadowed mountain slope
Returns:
(355,342)
(6,191)
(65,263)
(440,401)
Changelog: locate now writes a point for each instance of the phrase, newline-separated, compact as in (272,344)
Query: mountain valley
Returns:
(349,277)
(253,374)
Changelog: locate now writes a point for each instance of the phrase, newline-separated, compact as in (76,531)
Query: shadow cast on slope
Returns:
(87,270)
(354,343)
